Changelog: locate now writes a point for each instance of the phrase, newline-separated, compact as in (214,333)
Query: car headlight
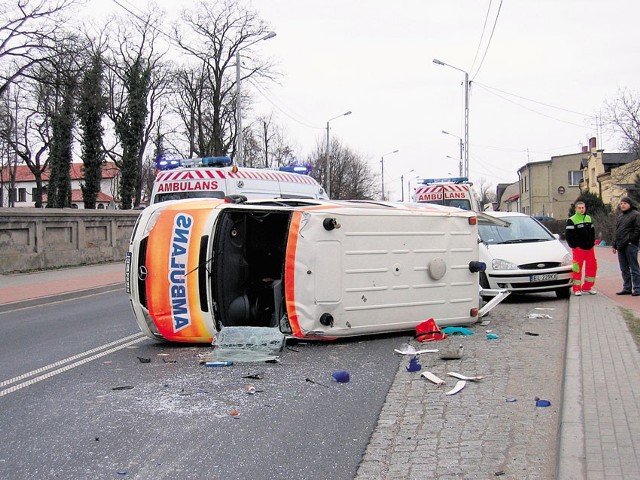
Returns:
(499,264)
(151,222)
(567,259)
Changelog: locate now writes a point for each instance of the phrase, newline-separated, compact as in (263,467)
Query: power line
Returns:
(530,109)
(489,42)
(281,109)
(484,26)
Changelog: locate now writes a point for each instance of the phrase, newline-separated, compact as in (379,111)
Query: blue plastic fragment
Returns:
(413,366)
(492,336)
(543,403)
(341,376)
(457,331)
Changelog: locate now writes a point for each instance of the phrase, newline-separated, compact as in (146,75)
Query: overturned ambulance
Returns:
(309,268)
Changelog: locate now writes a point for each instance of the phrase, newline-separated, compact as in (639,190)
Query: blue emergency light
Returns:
(166,164)
(302,169)
(427,181)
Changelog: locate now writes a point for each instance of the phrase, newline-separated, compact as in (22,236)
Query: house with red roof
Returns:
(21,193)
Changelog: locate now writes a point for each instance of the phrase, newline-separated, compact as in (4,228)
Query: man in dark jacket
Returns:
(581,237)
(626,244)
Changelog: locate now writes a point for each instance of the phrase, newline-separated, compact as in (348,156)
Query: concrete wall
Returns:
(35,239)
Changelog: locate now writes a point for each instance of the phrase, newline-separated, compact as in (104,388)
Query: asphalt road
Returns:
(77,402)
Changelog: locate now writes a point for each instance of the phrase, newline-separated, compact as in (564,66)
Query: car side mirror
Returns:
(557,235)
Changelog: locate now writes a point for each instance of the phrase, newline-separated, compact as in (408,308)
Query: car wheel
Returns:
(563,292)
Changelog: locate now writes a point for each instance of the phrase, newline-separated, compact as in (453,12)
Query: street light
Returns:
(461,150)
(409,182)
(327,160)
(239,146)
(402,182)
(466,113)
(382,169)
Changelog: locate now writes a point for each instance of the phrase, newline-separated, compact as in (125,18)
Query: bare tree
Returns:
(484,192)
(26,131)
(136,83)
(29,33)
(214,34)
(266,145)
(351,175)
(622,115)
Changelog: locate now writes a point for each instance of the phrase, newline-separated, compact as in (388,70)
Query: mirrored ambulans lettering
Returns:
(178,270)
(187,186)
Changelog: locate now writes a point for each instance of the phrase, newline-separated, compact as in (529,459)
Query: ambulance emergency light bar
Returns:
(165,164)
(303,169)
(427,181)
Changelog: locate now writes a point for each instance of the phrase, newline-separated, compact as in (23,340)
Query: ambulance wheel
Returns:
(563,292)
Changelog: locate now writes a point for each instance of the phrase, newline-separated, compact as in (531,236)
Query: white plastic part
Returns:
(459,386)
(459,376)
(433,378)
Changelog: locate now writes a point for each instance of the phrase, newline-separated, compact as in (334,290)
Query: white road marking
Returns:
(103,350)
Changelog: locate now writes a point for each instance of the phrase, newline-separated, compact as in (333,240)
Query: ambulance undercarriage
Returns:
(343,272)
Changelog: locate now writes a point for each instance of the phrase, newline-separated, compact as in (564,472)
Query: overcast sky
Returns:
(541,72)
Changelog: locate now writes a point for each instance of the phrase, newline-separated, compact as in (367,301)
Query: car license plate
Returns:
(544,277)
(127,268)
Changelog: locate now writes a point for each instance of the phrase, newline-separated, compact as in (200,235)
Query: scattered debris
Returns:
(429,331)
(499,474)
(144,360)
(413,366)
(341,376)
(433,378)
(124,387)
(169,361)
(247,344)
(492,336)
(255,376)
(511,399)
(452,354)
(460,384)
(234,413)
(540,315)
(542,403)
(406,349)
(459,376)
(251,389)
(532,334)
(457,331)
(316,383)
(484,323)
(226,363)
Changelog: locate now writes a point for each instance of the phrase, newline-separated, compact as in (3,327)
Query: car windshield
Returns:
(519,230)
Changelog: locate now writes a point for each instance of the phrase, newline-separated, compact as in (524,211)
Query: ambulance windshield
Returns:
(163,197)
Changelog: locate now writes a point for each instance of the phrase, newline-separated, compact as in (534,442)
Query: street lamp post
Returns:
(326,154)
(382,169)
(239,145)
(466,113)
(402,182)
(461,150)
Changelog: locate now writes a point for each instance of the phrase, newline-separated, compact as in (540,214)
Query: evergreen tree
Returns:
(130,129)
(594,204)
(91,109)
(60,149)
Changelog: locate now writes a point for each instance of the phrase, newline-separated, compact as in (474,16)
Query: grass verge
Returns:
(633,323)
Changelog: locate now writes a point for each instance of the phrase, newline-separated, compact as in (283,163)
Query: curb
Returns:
(59,297)
(571,446)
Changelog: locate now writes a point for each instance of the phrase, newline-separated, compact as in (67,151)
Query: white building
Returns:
(23,190)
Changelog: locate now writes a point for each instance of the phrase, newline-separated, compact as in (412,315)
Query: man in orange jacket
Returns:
(581,236)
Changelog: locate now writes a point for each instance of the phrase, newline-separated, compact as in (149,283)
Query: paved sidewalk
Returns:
(600,424)
(28,289)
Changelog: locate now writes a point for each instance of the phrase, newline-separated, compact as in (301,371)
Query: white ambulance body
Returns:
(451,192)
(213,177)
(309,268)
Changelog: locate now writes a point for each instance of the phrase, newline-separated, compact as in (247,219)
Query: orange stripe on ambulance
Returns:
(177,271)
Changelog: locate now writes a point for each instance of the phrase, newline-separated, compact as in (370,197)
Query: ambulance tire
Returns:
(564,292)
